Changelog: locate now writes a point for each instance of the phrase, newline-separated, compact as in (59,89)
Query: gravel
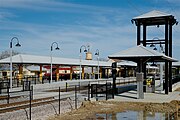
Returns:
(41,112)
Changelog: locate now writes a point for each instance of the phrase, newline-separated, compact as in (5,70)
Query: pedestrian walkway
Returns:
(157,97)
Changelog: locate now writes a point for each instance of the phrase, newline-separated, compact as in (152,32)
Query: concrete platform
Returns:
(158,97)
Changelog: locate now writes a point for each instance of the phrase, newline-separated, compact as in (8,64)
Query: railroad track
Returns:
(25,104)
(5,97)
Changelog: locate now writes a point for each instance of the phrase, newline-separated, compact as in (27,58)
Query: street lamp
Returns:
(17,45)
(80,57)
(57,48)
(97,53)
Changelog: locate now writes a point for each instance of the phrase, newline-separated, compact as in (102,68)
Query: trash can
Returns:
(150,85)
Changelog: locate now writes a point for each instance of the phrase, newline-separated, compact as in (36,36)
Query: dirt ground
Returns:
(178,89)
(88,109)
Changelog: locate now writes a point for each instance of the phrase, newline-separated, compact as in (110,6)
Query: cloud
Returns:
(105,28)
(6,15)
(71,37)
(52,5)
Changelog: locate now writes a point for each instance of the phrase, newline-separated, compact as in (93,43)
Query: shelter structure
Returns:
(177,66)
(141,55)
(126,68)
(22,59)
(157,18)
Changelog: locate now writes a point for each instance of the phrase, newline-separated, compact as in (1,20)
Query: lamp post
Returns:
(97,53)
(80,57)
(17,45)
(57,48)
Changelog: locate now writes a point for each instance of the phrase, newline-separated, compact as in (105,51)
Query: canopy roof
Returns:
(152,14)
(176,64)
(127,63)
(45,60)
(140,52)
(35,68)
(154,18)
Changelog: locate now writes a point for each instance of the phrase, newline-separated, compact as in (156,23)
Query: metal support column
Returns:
(139,78)
(166,62)
(138,33)
(170,55)
(71,72)
(83,72)
(40,73)
(144,44)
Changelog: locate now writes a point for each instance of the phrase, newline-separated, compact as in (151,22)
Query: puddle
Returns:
(137,115)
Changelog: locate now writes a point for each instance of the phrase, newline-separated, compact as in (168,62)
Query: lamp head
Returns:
(85,50)
(18,45)
(152,45)
(155,48)
(154,64)
(57,48)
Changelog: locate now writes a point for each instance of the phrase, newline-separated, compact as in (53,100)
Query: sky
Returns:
(102,24)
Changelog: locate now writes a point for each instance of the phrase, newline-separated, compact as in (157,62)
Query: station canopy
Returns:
(176,64)
(45,60)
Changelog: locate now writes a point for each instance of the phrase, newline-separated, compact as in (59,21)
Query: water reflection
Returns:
(137,115)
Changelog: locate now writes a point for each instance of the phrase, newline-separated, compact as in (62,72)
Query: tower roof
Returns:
(152,14)
(154,17)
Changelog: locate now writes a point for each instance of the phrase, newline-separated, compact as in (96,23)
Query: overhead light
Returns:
(132,21)
(152,45)
(154,64)
(177,23)
(18,45)
(155,48)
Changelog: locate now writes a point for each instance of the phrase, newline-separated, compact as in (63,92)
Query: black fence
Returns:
(4,86)
(74,94)
(175,79)
(32,103)
(100,90)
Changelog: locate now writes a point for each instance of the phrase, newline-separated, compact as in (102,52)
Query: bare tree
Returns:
(6,54)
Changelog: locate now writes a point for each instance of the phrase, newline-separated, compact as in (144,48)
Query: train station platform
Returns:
(158,97)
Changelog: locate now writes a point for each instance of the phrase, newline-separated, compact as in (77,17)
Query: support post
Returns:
(170,55)
(75,97)
(30,100)
(88,92)
(92,73)
(139,77)
(40,73)
(144,35)
(138,33)
(83,72)
(71,72)
(166,62)
(114,65)
(59,100)
(144,44)
(100,72)
(57,72)
(20,73)
(8,94)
